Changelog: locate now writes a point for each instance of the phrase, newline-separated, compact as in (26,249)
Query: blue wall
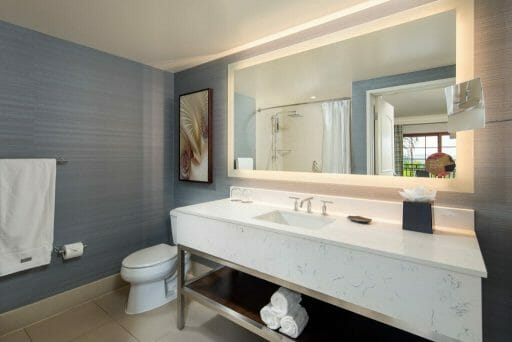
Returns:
(245,127)
(111,119)
(359,89)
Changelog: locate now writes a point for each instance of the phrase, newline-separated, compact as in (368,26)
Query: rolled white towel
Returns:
(270,317)
(283,300)
(294,322)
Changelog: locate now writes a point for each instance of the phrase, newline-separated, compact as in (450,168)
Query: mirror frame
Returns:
(463,182)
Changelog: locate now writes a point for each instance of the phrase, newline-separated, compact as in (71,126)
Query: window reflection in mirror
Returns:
(372,104)
(411,125)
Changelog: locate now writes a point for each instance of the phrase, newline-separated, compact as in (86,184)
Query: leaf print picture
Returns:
(195,137)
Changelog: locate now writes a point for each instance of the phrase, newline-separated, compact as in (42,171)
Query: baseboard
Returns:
(29,314)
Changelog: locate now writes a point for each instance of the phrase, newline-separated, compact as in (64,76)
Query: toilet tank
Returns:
(174,224)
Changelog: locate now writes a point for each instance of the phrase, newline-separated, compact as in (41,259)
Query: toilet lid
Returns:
(150,256)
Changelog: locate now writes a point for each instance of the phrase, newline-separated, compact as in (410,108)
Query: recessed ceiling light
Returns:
(312,97)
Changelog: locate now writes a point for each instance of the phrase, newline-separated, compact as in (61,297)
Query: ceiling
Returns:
(329,71)
(167,34)
(418,102)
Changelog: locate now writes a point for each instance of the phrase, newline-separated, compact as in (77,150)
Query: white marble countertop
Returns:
(452,252)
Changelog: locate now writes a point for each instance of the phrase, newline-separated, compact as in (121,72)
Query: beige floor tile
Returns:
(151,325)
(16,336)
(114,303)
(110,332)
(68,325)
(204,325)
(35,312)
(147,326)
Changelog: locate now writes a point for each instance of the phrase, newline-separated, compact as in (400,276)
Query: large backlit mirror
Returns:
(372,104)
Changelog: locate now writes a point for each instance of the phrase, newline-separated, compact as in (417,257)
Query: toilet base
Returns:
(151,295)
(148,296)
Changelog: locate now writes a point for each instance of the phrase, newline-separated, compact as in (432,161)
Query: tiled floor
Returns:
(104,320)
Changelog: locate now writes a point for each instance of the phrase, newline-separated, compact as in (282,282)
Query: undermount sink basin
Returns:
(310,221)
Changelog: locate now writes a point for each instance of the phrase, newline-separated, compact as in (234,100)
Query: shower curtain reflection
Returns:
(336,136)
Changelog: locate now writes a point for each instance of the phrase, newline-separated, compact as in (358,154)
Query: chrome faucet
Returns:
(324,207)
(308,200)
(296,204)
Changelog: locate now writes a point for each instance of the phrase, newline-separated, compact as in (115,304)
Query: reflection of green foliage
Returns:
(409,169)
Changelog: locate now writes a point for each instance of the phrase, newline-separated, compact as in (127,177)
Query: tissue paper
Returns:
(418,194)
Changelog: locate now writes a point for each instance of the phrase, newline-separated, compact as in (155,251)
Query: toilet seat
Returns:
(150,257)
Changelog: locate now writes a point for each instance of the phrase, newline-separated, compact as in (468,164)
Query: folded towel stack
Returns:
(284,311)
(270,317)
(283,300)
(294,322)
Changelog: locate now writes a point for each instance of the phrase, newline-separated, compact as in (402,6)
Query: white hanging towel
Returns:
(27,210)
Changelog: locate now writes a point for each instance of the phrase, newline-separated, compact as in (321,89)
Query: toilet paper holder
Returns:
(60,250)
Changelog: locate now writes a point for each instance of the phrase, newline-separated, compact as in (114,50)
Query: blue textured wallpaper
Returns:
(359,89)
(111,119)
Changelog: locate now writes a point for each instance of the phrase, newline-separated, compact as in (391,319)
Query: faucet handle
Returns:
(296,204)
(324,206)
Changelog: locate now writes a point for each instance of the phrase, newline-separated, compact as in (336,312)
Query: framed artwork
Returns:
(195,137)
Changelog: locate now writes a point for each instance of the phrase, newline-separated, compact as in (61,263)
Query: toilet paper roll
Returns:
(72,250)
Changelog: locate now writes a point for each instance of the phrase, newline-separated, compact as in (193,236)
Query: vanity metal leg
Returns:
(180,319)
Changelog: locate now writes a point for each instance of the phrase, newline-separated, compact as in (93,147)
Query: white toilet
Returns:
(151,273)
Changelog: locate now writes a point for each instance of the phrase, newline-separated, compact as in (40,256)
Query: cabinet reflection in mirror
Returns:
(372,104)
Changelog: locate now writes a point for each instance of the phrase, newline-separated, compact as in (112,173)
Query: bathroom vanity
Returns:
(426,284)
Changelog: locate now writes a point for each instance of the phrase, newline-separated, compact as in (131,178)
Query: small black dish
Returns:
(360,219)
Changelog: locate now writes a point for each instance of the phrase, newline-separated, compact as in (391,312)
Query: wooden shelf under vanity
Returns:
(239,297)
